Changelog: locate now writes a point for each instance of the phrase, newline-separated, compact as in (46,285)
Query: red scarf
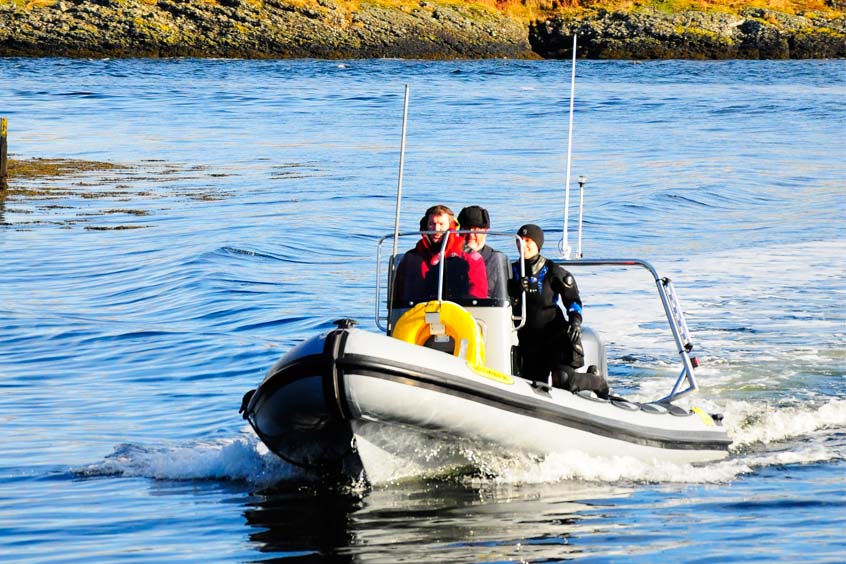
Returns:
(430,250)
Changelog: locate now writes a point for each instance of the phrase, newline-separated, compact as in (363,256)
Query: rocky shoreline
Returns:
(423,30)
(254,29)
(755,33)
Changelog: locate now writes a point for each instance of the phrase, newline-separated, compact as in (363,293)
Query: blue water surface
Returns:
(138,303)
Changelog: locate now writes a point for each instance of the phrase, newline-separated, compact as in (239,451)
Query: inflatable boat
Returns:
(443,372)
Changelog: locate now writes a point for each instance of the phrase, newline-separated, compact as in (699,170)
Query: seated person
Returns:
(418,272)
(478,221)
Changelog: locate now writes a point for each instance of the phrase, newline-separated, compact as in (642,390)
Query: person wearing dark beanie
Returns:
(549,342)
(533,232)
(477,221)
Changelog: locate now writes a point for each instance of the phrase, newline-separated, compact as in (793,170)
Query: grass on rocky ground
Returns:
(31,169)
(538,9)
(532,9)
(35,168)
(100,196)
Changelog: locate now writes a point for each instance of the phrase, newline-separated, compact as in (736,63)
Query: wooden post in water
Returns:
(4,174)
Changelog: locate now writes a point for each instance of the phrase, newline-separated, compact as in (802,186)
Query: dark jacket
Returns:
(543,316)
(544,344)
(496,264)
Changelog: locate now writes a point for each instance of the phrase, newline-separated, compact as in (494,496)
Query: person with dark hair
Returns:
(549,342)
(418,272)
(477,220)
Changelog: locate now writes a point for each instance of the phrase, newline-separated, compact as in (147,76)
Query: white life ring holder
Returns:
(412,327)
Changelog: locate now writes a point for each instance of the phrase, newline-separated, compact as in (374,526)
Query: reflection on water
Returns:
(457,522)
(298,521)
(485,522)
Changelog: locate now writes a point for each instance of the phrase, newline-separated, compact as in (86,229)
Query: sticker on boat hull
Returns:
(490,373)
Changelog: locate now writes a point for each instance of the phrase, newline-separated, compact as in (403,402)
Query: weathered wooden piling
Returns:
(4,173)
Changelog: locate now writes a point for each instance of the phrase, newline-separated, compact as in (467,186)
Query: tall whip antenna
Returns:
(392,265)
(399,178)
(565,246)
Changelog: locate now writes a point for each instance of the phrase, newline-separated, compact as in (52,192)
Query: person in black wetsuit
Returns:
(549,342)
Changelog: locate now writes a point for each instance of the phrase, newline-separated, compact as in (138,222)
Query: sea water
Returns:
(138,303)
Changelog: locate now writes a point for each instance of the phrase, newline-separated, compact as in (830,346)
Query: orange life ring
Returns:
(412,327)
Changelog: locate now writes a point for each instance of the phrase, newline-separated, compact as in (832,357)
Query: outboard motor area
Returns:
(595,354)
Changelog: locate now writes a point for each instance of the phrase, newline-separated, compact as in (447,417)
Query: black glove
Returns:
(529,285)
(574,332)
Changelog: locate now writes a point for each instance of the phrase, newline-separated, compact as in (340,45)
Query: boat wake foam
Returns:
(239,459)
(813,444)
(753,425)
(763,435)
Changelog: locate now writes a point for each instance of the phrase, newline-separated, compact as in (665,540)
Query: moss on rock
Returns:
(421,28)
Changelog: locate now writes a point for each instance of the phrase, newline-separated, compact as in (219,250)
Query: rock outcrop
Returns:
(753,34)
(258,29)
(427,29)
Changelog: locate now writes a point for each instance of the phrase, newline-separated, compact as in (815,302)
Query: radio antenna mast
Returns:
(565,245)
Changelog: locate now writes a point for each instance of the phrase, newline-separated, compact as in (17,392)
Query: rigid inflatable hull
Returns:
(318,396)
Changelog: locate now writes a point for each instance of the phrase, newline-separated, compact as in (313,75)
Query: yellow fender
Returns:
(457,322)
